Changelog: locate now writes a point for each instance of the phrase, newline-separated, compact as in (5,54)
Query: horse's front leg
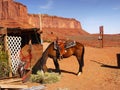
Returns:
(56,65)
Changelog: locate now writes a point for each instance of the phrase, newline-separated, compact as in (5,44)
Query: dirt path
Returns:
(99,73)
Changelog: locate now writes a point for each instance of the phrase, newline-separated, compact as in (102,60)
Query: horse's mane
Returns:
(42,60)
(45,54)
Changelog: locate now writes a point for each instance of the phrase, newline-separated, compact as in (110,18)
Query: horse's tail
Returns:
(83,51)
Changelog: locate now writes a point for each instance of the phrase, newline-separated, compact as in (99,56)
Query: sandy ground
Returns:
(100,72)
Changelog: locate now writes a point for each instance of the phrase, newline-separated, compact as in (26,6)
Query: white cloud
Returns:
(48,5)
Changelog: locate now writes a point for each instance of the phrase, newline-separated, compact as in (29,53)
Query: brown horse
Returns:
(76,50)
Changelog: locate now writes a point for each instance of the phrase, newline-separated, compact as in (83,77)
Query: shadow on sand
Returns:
(64,71)
(110,66)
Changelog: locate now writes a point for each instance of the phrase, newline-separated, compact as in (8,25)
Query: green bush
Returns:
(45,78)
(4,67)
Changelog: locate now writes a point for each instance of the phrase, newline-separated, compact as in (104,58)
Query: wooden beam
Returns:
(5,81)
(3,31)
(12,83)
(26,77)
(13,86)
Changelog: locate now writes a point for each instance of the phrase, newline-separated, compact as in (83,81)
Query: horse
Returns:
(76,50)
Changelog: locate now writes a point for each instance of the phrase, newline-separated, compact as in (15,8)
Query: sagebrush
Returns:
(4,66)
(45,78)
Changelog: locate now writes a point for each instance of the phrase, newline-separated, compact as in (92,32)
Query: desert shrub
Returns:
(4,67)
(45,78)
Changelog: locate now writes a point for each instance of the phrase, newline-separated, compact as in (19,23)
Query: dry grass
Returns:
(45,78)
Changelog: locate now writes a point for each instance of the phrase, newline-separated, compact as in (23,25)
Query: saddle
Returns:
(62,45)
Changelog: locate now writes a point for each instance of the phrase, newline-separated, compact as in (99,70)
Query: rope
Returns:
(26,59)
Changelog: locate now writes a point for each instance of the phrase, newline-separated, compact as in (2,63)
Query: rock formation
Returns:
(14,14)
(54,26)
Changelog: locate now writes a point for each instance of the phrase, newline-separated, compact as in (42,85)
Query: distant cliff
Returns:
(54,26)
(14,14)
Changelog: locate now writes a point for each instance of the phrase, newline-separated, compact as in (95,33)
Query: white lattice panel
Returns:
(14,46)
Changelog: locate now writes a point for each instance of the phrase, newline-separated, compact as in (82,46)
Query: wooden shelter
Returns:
(20,38)
(21,41)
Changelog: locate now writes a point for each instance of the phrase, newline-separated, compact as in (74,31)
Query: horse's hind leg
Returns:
(56,65)
(81,64)
(80,59)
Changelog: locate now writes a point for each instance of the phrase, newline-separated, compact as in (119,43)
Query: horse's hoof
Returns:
(79,73)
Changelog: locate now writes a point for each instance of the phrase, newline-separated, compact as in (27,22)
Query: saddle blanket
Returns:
(70,44)
(67,44)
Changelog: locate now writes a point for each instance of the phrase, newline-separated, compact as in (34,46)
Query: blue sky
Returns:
(90,13)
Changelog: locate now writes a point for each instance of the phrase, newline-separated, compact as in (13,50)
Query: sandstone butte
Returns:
(14,14)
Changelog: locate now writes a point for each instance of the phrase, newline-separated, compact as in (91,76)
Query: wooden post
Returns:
(40,17)
(7,50)
(101,36)
(5,42)
(30,49)
(118,60)
(40,21)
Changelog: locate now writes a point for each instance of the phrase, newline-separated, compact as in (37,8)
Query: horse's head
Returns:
(44,68)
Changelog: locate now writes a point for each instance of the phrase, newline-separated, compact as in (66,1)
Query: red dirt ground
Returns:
(100,71)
